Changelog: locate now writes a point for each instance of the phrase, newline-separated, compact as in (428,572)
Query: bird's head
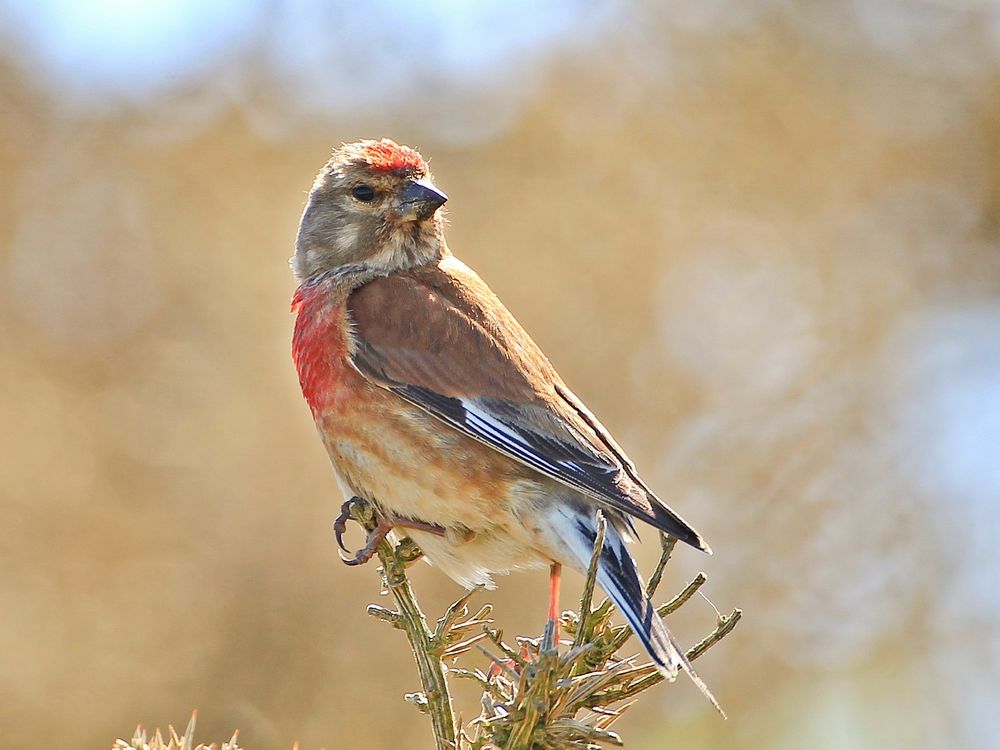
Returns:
(373,205)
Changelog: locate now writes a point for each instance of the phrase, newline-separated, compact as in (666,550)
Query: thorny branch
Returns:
(428,647)
(534,698)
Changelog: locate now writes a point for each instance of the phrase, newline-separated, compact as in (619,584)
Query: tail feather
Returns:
(618,576)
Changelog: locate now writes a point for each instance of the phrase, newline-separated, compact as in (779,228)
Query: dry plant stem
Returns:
(678,601)
(725,626)
(722,629)
(588,588)
(665,609)
(410,619)
(667,544)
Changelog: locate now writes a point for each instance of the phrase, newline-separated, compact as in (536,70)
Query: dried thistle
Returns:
(143,741)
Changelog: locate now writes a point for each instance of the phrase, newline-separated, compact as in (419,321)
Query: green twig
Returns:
(435,698)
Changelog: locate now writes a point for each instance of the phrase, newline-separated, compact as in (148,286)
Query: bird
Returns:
(438,408)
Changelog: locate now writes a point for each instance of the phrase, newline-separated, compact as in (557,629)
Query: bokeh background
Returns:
(760,239)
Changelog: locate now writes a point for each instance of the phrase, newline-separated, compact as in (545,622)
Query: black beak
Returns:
(419,200)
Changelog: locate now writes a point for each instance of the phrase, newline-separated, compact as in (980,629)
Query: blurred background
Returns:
(760,239)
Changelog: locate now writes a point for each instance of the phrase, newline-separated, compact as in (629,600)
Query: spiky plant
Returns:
(142,740)
(534,697)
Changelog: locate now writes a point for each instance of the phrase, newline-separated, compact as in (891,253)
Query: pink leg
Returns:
(555,576)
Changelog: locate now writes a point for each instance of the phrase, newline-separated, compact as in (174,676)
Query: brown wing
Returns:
(438,337)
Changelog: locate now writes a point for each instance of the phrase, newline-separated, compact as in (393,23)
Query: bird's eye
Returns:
(363,193)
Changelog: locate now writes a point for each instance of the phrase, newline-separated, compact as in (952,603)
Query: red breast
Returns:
(319,347)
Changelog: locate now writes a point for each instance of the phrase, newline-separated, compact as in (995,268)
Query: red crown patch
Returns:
(388,155)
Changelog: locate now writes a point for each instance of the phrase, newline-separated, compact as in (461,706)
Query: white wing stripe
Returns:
(489,426)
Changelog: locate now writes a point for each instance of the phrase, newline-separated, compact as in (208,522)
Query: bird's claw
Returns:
(366,553)
(382,528)
(340,524)
(375,536)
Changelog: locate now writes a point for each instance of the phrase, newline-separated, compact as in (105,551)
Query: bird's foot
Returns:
(340,526)
(384,524)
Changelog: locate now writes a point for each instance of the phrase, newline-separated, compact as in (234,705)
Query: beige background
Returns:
(759,239)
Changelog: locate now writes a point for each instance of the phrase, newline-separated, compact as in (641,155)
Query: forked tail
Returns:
(618,576)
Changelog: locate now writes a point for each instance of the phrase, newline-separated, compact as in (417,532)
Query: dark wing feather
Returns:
(440,339)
